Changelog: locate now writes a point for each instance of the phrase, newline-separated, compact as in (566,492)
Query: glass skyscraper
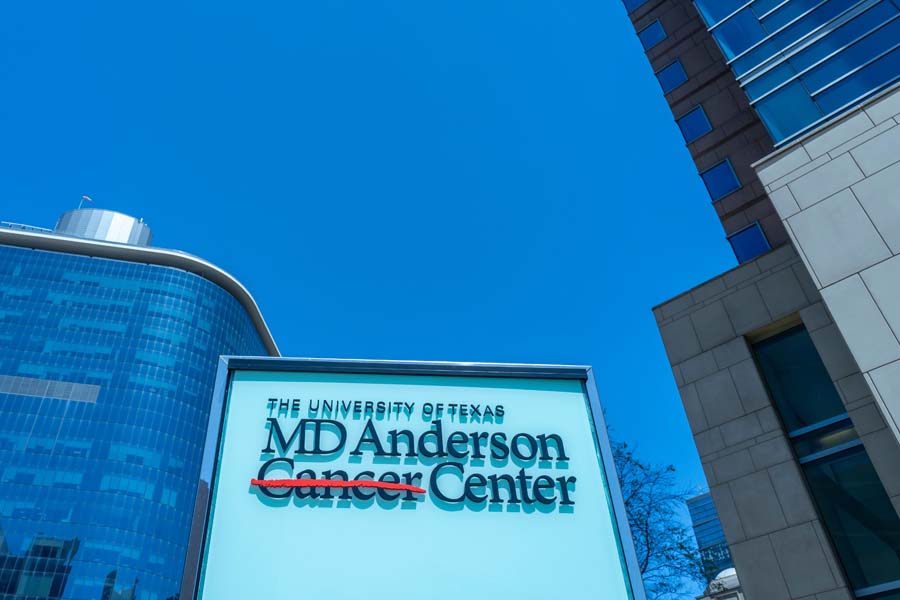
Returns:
(106,375)
(710,538)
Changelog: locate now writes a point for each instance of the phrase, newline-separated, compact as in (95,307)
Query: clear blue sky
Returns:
(476,180)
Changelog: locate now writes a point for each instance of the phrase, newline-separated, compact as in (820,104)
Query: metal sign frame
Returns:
(228,365)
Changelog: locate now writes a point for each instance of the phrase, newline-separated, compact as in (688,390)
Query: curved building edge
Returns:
(147,255)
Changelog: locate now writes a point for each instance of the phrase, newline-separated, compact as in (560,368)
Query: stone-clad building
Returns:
(789,365)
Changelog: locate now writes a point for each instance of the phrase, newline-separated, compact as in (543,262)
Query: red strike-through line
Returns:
(336,483)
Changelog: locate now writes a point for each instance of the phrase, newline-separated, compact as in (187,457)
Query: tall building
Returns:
(788,365)
(109,357)
(710,537)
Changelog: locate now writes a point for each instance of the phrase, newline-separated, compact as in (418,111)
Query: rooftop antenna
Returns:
(85,199)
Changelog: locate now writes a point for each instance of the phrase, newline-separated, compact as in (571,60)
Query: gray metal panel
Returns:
(229,364)
(104,225)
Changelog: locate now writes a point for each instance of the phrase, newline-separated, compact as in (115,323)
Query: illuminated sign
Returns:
(360,479)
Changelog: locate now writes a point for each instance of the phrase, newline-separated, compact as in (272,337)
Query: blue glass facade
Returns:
(106,376)
(804,61)
(710,538)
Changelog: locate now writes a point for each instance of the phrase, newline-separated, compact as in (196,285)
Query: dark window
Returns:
(694,124)
(852,502)
(797,379)
(720,180)
(652,34)
(631,5)
(859,517)
(748,243)
(671,77)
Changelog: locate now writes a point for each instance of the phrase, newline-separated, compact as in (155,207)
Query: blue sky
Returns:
(450,180)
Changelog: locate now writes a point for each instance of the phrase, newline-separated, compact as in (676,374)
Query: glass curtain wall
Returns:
(851,500)
(804,61)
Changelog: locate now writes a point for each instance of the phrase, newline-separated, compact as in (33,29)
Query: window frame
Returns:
(733,172)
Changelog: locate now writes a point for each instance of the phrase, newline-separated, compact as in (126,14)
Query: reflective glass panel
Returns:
(788,110)
(749,243)
(106,376)
(854,57)
(720,180)
(652,35)
(714,11)
(797,379)
(787,36)
(858,516)
(762,7)
(790,11)
(694,124)
(671,77)
(878,74)
(739,33)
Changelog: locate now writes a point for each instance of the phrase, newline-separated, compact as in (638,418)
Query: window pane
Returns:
(797,379)
(844,35)
(694,124)
(859,517)
(791,34)
(788,110)
(790,11)
(739,33)
(720,180)
(630,5)
(853,57)
(714,11)
(880,73)
(671,77)
(652,35)
(749,243)
(761,7)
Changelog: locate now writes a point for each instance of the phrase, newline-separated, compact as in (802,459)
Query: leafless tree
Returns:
(665,545)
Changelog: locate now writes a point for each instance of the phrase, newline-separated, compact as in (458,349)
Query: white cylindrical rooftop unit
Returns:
(104,225)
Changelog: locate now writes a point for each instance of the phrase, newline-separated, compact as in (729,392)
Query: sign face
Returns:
(379,485)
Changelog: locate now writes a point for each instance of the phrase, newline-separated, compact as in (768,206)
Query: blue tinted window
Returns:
(749,243)
(720,180)
(714,11)
(847,33)
(652,35)
(791,34)
(671,77)
(739,33)
(630,5)
(762,7)
(833,42)
(877,74)
(855,56)
(694,124)
(787,111)
(790,11)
